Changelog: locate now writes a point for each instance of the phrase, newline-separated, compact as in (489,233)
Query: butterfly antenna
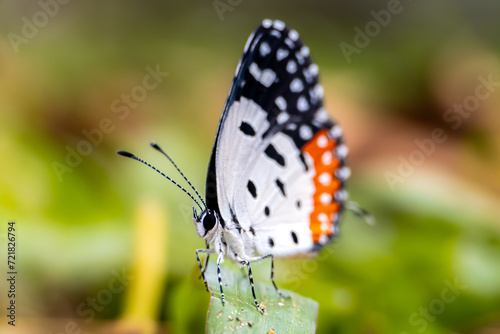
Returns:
(158,148)
(131,156)
(360,212)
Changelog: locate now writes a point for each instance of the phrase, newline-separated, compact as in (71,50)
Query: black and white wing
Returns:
(277,165)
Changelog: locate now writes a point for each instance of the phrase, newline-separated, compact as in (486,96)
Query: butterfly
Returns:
(275,184)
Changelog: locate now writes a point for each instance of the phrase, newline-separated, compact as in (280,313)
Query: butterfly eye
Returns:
(209,221)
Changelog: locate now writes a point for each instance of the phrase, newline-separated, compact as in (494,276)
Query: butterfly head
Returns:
(205,223)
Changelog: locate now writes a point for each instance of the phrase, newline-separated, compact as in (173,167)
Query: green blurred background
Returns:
(81,226)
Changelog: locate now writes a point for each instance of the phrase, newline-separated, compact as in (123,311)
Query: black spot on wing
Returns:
(251,188)
(234,219)
(247,129)
(271,242)
(294,237)
(267,212)
(281,186)
(273,154)
(303,160)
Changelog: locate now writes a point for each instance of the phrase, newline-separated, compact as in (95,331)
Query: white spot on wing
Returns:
(279,25)
(291,66)
(305,132)
(341,195)
(282,117)
(302,104)
(318,89)
(336,132)
(267,23)
(322,217)
(325,179)
(327,158)
(314,69)
(326,226)
(289,42)
(275,33)
(294,35)
(255,71)
(281,54)
(307,75)
(264,49)
(296,85)
(267,77)
(325,198)
(343,173)
(322,141)
(304,51)
(281,102)
(299,57)
(321,115)
(341,151)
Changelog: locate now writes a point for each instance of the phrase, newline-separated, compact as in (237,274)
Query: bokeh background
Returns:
(83,222)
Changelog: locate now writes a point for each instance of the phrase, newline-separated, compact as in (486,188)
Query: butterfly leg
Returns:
(247,263)
(272,278)
(206,262)
(272,272)
(208,252)
(219,259)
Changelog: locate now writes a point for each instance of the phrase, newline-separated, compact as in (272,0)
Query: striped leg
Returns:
(272,272)
(272,278)
(219,259)
(206,262)
(208,252)
(247,263)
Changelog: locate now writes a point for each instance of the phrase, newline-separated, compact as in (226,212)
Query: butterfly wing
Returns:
(277,167)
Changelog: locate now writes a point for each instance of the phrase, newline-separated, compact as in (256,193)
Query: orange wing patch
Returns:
(320,148)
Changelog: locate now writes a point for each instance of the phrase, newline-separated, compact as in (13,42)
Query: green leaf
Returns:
(294,315)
